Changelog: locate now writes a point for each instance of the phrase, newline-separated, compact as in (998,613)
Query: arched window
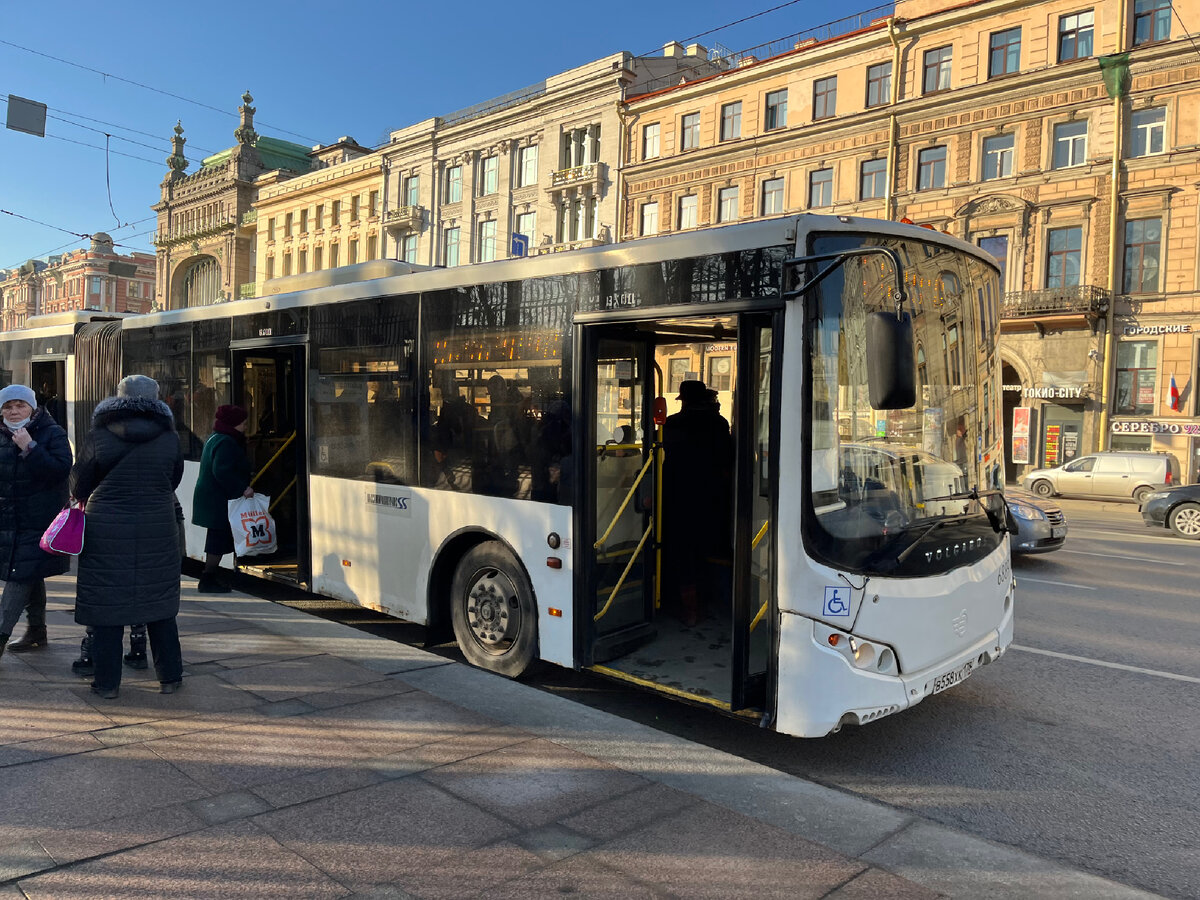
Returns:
(202,283)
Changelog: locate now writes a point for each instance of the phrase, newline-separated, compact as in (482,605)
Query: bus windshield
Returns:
(882,481)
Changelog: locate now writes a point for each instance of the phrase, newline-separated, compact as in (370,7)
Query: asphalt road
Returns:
(1080,745)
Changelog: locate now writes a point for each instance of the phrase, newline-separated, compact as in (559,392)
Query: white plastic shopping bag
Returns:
(253,527)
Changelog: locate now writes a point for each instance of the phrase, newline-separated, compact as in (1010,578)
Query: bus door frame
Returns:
(295,347)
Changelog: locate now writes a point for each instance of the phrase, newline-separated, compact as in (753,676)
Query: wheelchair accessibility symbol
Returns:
(837,601)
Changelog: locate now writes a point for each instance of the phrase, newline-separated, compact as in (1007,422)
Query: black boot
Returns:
(34,639)
(136,657)
(84,667)
(3,643)
(209,583)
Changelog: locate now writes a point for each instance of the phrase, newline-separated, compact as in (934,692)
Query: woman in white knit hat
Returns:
(35,459)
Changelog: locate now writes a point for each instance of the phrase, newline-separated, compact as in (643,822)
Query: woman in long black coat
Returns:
(35,458)
(128,468)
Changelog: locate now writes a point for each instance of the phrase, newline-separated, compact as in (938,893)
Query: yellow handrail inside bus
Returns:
(625,574)
(275,500)
(624,503)
(271,461)
(762,610)
(762,533)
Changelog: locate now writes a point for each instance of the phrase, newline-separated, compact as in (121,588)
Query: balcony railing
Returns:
(250,217)
(246,290)
(405,217)
(1082,298)
(204,228)
(588,173)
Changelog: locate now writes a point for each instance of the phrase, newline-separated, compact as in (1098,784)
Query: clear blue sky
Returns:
(313,80)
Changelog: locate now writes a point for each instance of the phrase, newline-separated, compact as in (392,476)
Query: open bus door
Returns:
(636,627)
(268,384)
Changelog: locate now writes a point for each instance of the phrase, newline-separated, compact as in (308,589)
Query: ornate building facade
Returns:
(98,278)
(205,237)
(992,120)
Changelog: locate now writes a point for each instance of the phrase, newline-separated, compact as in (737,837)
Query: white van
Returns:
(1109,474)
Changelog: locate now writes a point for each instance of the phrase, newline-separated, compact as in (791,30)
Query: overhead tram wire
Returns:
(148,87)
(74,234)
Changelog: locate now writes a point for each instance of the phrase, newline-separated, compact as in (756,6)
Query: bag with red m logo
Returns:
(253,527)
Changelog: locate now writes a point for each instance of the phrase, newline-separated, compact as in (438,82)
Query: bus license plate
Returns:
(952,678)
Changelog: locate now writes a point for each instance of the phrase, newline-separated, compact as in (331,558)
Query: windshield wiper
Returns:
(999,524)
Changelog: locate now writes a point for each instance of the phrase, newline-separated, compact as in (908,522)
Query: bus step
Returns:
(619,643)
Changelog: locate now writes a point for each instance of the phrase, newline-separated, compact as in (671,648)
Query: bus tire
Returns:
(493,612)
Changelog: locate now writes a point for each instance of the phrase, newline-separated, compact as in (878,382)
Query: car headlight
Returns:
(1156,495)
(1025,511)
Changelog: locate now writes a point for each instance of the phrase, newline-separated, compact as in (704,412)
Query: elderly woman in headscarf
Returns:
(128,468)
(224,476)
(35,458)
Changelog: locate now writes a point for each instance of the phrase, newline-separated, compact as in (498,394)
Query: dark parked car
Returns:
(1177,508)
(1041,524)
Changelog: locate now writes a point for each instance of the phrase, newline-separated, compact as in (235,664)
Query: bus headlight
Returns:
(870,656)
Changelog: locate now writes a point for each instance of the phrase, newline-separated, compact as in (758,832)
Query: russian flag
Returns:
(1174,394)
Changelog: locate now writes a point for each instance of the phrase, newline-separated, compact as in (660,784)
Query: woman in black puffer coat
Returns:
(128,468)
(35,458)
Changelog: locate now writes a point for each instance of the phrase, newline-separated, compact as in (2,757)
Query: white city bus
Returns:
(479,449)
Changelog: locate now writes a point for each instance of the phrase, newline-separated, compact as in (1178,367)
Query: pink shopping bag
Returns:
(65,534)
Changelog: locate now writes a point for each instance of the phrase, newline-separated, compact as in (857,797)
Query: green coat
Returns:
(224,475)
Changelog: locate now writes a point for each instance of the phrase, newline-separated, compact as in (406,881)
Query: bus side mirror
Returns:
(891,370)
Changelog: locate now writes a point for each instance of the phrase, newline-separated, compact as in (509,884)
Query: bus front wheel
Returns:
(493,612)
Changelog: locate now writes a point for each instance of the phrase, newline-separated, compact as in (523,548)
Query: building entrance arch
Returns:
(197,282)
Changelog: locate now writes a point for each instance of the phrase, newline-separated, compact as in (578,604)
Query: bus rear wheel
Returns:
(493,612)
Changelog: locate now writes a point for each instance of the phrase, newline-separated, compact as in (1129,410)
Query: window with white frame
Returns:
(931,168)
(650,140)
(450,247)
(731,121)
(527,225)
(527,163)
(649,219)
(776,116)
(1070,144)
(872,182)
(489,175)
(412,190)
(1075,36)
(727,204)
(689,131)
(487,240)
(408,248)
(1148,128)
(453,184)
(689,207)
(772,196)
(998,156)
(1064,256)
(820,188)
(825,97)
(1143,250)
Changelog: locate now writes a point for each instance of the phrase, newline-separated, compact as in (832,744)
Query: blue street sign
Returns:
(520,244)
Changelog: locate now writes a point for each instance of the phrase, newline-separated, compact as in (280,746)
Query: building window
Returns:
(94,284)
(1005,52)
(412,190)
(302,262)
(820,188)
(650,135)
(453,184)
(271,228)
(772,197)
(371,246)
(1151,21)
(937,70)
(318,257)
(879,84)
(335,214)
(527,158)
(527,225)
(720,373)
(872,181)
(270,267)
(727,204)
(1137,366)
(689,132)
(997,156)
(287,264)
(487,240)
(1064,254)
(489,176)
(649,219)
(776,110)
(731,121)
(1070,145)
(1143,247)
(825,97)
(334,252)
(1075,36)
(931,168)
(450,247)
(304,221)
(355,206)
(287,225)
(373,204)
(688,210)
(678,370)
(1148,128)
(320,217)
(408,248)
(352,252)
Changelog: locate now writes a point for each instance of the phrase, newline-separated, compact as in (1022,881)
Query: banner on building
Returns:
(1020,434)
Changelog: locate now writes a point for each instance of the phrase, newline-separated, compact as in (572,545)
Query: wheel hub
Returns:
(493,612)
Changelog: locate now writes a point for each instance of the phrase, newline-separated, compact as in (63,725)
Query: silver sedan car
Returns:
(1041,524)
